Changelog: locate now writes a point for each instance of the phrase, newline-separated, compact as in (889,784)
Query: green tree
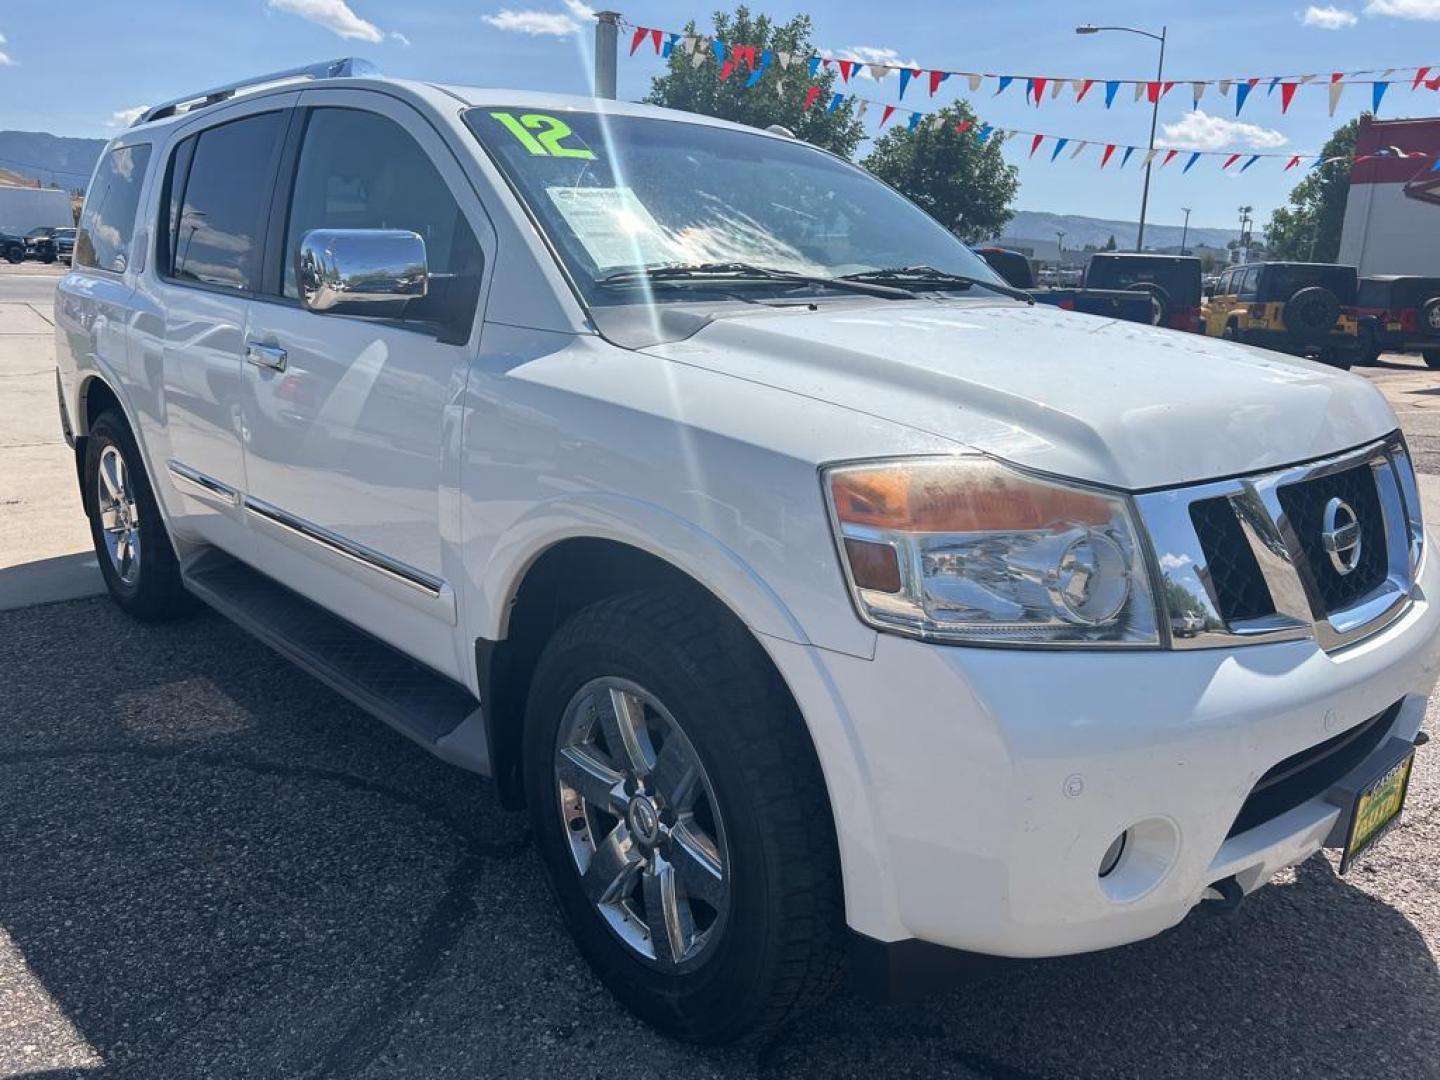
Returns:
(1309,228)
(779,97)
(963,183)
(1110,244)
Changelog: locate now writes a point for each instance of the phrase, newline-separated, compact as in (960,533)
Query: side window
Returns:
(108,223)
(1227,284)
(216,224)
(360,170)
(1247,283)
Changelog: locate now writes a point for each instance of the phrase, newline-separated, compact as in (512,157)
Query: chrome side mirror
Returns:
(359,268)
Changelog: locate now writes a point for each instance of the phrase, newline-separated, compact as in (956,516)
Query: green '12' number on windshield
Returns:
(541,135)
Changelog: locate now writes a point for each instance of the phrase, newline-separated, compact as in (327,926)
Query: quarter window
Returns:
(108,223)
(360,170)
(220,186)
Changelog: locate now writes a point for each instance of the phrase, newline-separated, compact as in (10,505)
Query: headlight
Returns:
(1409,489)
(964,549)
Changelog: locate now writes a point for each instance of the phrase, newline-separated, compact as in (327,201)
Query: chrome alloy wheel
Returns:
(642,821)
(119,516)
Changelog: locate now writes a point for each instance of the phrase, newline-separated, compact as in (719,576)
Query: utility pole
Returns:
(607,38)
(1245,223)
(1059,249)
(1185,232)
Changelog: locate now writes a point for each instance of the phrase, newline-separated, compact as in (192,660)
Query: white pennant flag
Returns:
(860,108)
(879,71)
(1336,89)
(691,40)
(1199,88)
(699,57)
(937,122)
(1076,152)
(784,58)
(780,88)
(1224,87)
(1055,87)
(1139,90)
(1305,79)
(975,82)
(1149,157)
(1077,85)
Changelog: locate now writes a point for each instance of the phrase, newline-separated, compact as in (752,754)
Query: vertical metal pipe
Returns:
(1154,116)
(607,44)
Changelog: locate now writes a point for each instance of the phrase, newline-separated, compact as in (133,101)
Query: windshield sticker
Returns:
(614,226)
(543,135)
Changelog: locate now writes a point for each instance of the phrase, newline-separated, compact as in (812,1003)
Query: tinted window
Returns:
(219,219)
(1247,280)
(1282,282)
(1180,278)
(359,170)
(108,223)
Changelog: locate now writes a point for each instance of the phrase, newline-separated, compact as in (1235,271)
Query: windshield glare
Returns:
(622,193)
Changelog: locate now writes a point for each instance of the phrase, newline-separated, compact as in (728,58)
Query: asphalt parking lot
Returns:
(212,866)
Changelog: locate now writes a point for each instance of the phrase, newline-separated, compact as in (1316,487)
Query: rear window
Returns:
(1402,293)
(108,222)
(1279,283)
(1179,277)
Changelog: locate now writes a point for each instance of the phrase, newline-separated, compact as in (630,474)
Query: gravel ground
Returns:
(214,867)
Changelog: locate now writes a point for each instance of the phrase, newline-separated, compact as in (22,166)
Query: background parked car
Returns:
(49,242)
(1399,314)
(12,245)
(1173,281)
(1306,309)
(1019,270)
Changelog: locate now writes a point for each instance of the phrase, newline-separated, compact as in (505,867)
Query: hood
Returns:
(1112,402)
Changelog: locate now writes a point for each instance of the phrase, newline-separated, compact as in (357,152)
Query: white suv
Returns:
(829,604)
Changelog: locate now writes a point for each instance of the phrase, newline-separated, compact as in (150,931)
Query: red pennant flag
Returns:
(1084,89)
(889,112)
(964,126)
(1152,92)
(1166,88)
(1291,163)
(725,69)
(641,31)
(1039,85)
(810,96)
(1169,157)
(846,68)
(1287,95)
(1230,161)
(744,54)
(655,36)
(1433,84)
(1420,74)
(1035,144)
(1337,76)
(936,78)
(1105,158)
(1252,83)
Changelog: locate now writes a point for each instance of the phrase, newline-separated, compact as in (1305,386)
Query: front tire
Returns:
(136,558)
(15,254)
(682,817)
(1432,359)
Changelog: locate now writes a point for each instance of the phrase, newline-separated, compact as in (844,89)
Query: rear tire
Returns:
(131,544)
(15,254)
(1432,359)
(760,939)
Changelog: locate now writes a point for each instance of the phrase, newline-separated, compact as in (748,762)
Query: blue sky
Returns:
(74,68)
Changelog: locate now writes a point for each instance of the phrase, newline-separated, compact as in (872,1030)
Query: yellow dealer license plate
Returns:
(1376,809)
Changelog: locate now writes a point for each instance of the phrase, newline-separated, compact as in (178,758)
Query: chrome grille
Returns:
(1245,560)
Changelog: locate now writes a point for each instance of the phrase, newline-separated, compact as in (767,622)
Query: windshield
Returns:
(620,194)
(1280,282)
(1180,278)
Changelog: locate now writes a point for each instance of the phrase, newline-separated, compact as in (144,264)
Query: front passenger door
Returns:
(346,460)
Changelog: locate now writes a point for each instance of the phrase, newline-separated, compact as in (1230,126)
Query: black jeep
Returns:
(1399,314)
(1307,309)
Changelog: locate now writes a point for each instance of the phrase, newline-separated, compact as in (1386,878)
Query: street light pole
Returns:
(1154,112)
(1185,232)
(1059,249)
(607,31)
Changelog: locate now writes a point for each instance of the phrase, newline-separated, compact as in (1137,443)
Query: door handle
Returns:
(266,356)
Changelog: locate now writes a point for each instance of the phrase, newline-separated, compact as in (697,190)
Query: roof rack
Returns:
(343,68)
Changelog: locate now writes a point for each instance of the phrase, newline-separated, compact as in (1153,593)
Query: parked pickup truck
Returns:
(1131,305)
(829,604)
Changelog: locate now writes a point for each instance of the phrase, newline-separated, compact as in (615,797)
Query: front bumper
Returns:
(977,790)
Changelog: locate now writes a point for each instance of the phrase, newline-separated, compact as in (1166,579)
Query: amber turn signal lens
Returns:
(962,495)
(873,566)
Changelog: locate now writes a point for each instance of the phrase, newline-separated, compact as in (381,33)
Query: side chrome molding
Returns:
(198,483)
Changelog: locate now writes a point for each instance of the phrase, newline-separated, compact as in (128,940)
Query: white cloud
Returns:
(1405,9)
(335,16)
(1201,131)
(550,23)
(1328,17)
(872,54)
(123,118)
(5,59)
(580,10)
(398,38)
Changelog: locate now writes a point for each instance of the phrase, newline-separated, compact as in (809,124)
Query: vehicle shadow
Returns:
(212,866)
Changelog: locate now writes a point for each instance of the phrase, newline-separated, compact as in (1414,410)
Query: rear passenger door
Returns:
(213,213)
(349,479)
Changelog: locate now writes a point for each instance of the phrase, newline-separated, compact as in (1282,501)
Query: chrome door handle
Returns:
(266,356)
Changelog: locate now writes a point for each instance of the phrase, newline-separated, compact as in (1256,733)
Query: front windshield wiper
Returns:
(741,273)
(920,277)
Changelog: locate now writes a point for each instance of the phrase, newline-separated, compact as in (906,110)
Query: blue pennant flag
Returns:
(759,71)
(1126,159)
(718,48)
(1111,88)
(669,45)
(1271,90)
(1253,158)
(1193,158)
(1436,166)
(1005,81)
(1059,145)
(1379,88)
(914,120)
(905,76)
(1242,91)
(814,66)
(984,133)
(835,102)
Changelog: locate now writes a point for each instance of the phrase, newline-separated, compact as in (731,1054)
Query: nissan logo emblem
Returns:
(1341,536)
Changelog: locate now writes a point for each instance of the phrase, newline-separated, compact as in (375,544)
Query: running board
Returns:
(439,714)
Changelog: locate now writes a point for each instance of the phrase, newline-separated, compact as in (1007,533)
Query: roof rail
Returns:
(343,68)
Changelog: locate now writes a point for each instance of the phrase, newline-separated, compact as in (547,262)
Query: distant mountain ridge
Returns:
(1080,231)
(52,159)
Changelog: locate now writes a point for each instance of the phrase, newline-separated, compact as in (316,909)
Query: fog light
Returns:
(1113,853)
